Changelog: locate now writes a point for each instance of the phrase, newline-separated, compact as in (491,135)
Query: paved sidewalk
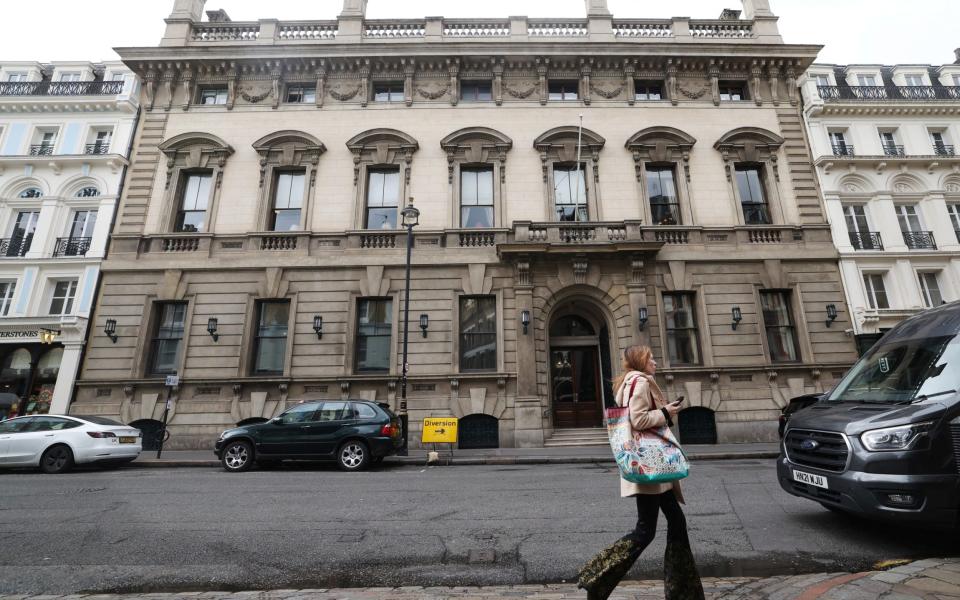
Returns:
(934,579)
(499,456)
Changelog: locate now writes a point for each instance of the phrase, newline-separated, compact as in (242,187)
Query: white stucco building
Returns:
(885,143)
(65,132)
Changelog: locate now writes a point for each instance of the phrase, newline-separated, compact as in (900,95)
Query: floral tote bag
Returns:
(649,456)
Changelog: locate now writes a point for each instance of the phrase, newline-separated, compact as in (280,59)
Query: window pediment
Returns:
(288,148)
(749,145)
(662,145)
(476,145)
(195,151)
(560,145)
(382,147)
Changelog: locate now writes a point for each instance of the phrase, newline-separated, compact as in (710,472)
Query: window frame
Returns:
(68,298)
(791,326)
(658,167)
(494,333)
(870,288)
(220,91)
(925,289)
(953,209)
(475,84)
(8,290)
(368,188)
(743,167)
(903,217)
(273,211)
(304,90)
(258,337)
(691,298)
(358,334)
(179,215)
(564,93)
(570,167)
(476,168)
(159,308)
(725,87)
(647,85)
(391,86)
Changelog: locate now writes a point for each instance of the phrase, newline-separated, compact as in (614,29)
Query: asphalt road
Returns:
(140,530)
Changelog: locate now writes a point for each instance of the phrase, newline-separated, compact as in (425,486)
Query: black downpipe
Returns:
(106,252)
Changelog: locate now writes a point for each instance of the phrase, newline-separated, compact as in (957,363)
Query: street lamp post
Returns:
(411,218)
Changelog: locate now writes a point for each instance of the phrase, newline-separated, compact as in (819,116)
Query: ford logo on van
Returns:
(809,445)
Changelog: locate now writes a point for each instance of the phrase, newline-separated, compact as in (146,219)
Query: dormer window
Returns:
(564,90)
(823,80)
(867,80)
(914,80)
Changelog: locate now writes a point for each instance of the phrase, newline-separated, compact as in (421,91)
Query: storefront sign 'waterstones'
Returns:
(32,333)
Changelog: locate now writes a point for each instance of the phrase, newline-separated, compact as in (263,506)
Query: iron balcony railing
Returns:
(61,88)
(894,150)
(866,240)
(842,150)
(72,246)
(919,240)
(944,150)
(15,246)
(99,148)
(41,150)
(871,93)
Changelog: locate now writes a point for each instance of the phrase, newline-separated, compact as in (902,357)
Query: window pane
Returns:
(570,194)
(286,220)
(391,188)
(302,413)
(282,199)
(476,216)
(468,187)
(856,218)
(167,336)
(661,190)
(931,290)
(485,187)
(478,333)
(331,411)
(7,288)
(272,337)
(373,334)
(781,335)
(752,196)
(683,345)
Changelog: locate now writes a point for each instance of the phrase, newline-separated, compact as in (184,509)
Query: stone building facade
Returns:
(65,132)
(884,141)
(257,253)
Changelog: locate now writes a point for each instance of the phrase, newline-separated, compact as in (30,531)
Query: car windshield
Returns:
(903,370)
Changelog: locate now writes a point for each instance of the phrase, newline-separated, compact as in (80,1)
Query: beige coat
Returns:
(645,413)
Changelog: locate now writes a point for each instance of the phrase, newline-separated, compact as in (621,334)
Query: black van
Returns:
(886,441)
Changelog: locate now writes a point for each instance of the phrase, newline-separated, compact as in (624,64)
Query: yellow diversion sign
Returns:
(439,431)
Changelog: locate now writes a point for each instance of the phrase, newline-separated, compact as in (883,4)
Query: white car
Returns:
(55,443)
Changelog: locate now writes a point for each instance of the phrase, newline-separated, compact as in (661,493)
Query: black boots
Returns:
(602,573)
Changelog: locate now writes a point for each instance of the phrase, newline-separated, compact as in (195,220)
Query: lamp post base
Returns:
(404,422)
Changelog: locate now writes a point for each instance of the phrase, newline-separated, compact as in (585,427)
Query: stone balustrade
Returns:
(516,29)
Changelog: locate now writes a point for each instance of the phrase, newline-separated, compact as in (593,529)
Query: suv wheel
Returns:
(237,456)
(353,456)
(58,459)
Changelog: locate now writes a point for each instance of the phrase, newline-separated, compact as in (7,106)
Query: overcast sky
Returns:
(853,31)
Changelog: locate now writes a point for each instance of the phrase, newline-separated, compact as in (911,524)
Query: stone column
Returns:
(67,375)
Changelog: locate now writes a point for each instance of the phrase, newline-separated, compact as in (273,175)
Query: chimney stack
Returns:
(756,8)
(354,8)
(597,8)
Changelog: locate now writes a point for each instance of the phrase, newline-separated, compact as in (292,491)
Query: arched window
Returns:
(88,192)
(572,326)
(479,431)
(698,425)
(31,193)
(572,193)
(18,360)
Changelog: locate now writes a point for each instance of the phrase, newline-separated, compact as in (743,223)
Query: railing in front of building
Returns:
(866,240)
(919,240)
(41,150)
(453,29)
(842,150)
(894,150)
(61,88)
(15,247)
(96,149)
(72,246)
(944,150)
(872,93)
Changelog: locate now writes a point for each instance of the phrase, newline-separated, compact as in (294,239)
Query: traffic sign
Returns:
(173,380)
(439,431)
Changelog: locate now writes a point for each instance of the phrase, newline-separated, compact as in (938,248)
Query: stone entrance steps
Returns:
(592,436)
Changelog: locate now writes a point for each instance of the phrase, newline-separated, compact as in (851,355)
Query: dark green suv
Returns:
(354,433)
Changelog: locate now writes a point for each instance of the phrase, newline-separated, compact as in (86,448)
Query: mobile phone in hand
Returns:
(678,401)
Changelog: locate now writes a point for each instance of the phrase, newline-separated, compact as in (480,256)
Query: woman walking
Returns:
(637,390)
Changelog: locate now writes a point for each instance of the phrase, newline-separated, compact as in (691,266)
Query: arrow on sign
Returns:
(441,431)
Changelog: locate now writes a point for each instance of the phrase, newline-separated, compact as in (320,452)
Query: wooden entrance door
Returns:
(575,380)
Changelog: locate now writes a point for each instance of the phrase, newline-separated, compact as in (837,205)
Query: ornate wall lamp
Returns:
(212,325)
(525,320)
(318,326)
(831,314)
(737,316)
(424,323)
(110,330)
(644,317)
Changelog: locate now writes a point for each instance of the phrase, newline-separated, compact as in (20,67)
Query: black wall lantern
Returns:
(644,317)
(424,323)
(737,317)
(831,314)
(318,326)
(110,330)
(525,320)
(212,325)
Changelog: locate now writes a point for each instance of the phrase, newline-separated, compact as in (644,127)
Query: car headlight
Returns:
(223,434)
(904,437)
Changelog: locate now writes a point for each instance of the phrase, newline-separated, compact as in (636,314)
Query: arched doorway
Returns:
(579,367)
